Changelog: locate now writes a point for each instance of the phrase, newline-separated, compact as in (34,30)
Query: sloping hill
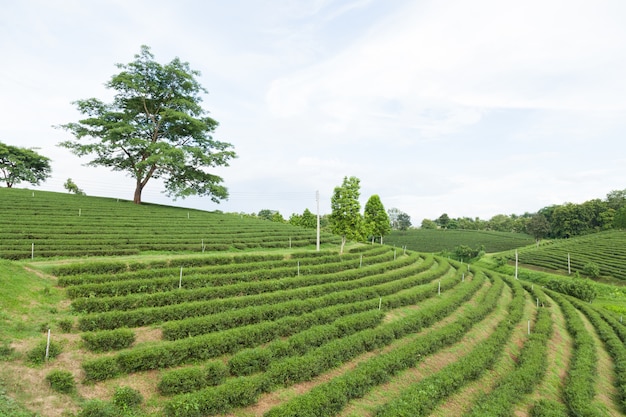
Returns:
(607,250)
(280,331)
(45,224)
(437,240)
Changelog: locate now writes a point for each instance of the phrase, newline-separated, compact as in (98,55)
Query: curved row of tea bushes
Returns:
(126,287)
(249,286)
(297,369)
(330,398)
(245,312)
(529,370)
(579,389)
(199,348)
(605,326)
(302,301)
(107,340)
(249,361)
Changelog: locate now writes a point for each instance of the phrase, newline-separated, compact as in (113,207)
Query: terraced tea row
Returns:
(44,224)
(607,250)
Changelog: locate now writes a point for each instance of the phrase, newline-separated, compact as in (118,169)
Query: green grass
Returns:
(437,240)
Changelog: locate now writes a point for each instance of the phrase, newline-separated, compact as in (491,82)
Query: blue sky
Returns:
(470,108)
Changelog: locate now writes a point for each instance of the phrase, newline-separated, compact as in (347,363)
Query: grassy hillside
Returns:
(280,331)
(431,240)
(54,224)
(607,250)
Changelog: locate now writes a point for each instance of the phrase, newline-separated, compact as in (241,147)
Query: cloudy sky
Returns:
(472,108)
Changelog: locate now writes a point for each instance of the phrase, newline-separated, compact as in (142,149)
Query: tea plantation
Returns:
(188,313)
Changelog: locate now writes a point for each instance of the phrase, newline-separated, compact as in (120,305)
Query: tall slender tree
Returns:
(345,217)
(376,219)
(154,128)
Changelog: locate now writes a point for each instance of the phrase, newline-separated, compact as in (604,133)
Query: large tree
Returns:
(154,128)
(375,218)
(345,217)
(22,165)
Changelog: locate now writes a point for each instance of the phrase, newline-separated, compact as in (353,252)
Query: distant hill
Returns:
(437,240)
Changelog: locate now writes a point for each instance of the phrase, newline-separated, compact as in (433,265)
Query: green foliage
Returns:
(154,128)
(66,325)
(98,408)
(345,218)
(61,381)
(108,339)
(548,408)
(466,253)
(184,380)
(591,269)
(435,241)
(37,355)
(582,289)
(71,187)
(375,218)
(22,165)
(127,398)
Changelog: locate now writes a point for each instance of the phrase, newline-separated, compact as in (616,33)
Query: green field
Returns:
(607,250)
(269,329)
(438,240)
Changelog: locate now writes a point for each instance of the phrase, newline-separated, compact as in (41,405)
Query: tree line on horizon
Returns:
(556,221)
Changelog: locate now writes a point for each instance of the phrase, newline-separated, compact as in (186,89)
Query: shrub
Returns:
(127,397)
(107,340)
(61,381)
(97,408)
(38,354)
(6,351)
(66,325)
(592,270)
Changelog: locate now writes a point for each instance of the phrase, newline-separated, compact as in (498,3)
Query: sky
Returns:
(470,108)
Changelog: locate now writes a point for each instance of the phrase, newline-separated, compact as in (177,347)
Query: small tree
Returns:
(398,219)
(375,218)
(345,217)
(155,128)
(22,164)
(538,227)
(71,187)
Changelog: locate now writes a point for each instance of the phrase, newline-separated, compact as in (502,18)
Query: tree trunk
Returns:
(138,189)
(343,243)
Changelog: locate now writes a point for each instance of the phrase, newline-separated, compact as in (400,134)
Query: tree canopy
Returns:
(345,217)
(375,218)
(22,165)
(154,128)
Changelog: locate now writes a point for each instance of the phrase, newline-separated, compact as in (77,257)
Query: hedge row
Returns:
(530,368)
(579,389)
(313,363)
(329,399)
(606,327)
(192,379)
(216,265)
(169,354)
(144,286)
(222,314)
(248,287)
(249,361)
(107,340)
(298,302)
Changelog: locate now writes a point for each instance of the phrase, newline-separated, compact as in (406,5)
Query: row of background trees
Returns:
(555,221)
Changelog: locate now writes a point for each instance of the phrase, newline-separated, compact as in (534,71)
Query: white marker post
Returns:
(380,302)
(528,326)
(361,261)
(463,277)
(48,346)
(79,212)
(439,289)
(32,250)
(180,281)
(298,268)
(569,265)
(516,259)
